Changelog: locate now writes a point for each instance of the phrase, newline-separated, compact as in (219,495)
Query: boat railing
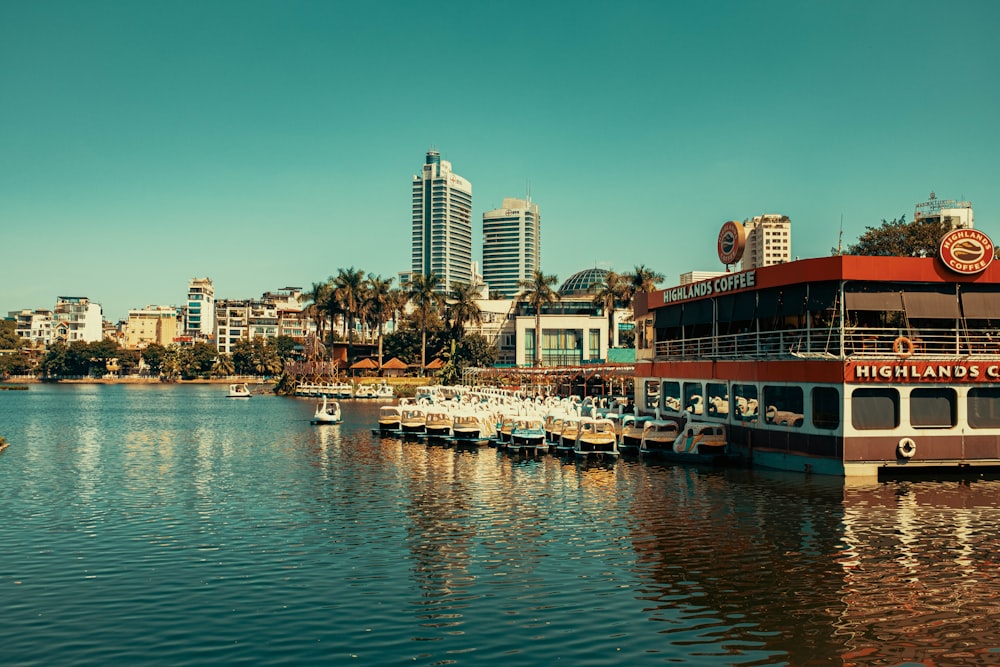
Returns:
(826,344)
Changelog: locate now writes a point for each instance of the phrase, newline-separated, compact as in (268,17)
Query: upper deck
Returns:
(833,308)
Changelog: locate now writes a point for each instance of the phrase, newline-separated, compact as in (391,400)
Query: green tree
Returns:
(379,295)
(898,238)
(318,306)
(9,340)
(223,365)
(153,356)
(608,295)
(463,307)
(538,293)
(427,302)
(348,292)
(203,356)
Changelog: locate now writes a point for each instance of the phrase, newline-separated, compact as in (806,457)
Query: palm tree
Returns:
(318,296)
(538,292)
(348,292)
(464,307)
(223,366)
(378,297)
(641,280)
(607,295)
(426,302)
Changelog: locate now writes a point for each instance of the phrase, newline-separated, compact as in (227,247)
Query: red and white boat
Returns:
(841,365)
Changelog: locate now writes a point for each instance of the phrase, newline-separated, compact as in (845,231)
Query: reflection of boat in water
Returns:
(327,412)
(239,390)
(847,366)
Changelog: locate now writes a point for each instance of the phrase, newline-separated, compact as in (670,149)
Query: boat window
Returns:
(671,395)
(825,407)
(822,297)
(652,391)
(698,312)
(718,399)
(933,407)
(694,398)
(784,405)
(984,407)
(874,409)
(745,402)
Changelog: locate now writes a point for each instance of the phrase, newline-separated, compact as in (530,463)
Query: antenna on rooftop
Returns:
(840,238)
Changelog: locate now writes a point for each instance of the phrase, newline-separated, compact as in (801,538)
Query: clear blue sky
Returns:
(267,144)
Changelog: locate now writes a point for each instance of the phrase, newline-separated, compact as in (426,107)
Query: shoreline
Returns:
(132,380)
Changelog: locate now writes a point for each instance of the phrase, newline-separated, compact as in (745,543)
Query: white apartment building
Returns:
(199,316)
(77,318)
(769,241)
(442,223)
(955,213)
(696,276)
(244,319)
(511,245)
(34,326)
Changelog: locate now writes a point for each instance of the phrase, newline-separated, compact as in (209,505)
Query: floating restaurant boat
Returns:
(842,365)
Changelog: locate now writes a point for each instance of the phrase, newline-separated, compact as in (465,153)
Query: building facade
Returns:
(34,326)
(511,245)
(769,241)
(152,324)
(77,318)
(442,223)
(955,213)
(199,316)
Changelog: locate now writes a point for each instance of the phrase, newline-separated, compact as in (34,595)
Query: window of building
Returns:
(671,392)
(934,407)
(825,407)
(984,407)
(874,409)
(717,403)
(595,344)
(651,391)
(694,398)
(784,405)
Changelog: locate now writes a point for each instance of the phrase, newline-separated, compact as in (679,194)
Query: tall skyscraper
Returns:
(512,243)
(442,223)
(769,241)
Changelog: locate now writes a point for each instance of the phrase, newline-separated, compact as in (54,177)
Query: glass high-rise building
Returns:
(511,245)
(442,223)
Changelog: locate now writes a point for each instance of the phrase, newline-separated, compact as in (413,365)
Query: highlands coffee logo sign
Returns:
(732,240)
(966,251)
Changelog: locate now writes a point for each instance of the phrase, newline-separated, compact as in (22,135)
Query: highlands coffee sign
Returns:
(921,371)
(966,251)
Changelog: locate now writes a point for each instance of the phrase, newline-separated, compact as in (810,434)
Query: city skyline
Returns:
(269,145)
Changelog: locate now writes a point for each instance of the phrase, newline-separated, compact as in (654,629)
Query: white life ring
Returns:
(906,448)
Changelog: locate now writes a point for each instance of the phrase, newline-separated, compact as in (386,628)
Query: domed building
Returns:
(582,282)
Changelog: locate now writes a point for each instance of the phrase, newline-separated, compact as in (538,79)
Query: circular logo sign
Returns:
(966,251)
(732,239)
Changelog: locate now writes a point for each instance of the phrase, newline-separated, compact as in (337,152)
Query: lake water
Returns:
(170,525)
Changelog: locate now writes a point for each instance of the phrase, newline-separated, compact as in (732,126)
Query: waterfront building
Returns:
(768,241)
(34,326)
(199,316)
(442,223)
(77,318)
(696,276)
(244,319)
(955,213)
(511,245)
(152,324)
